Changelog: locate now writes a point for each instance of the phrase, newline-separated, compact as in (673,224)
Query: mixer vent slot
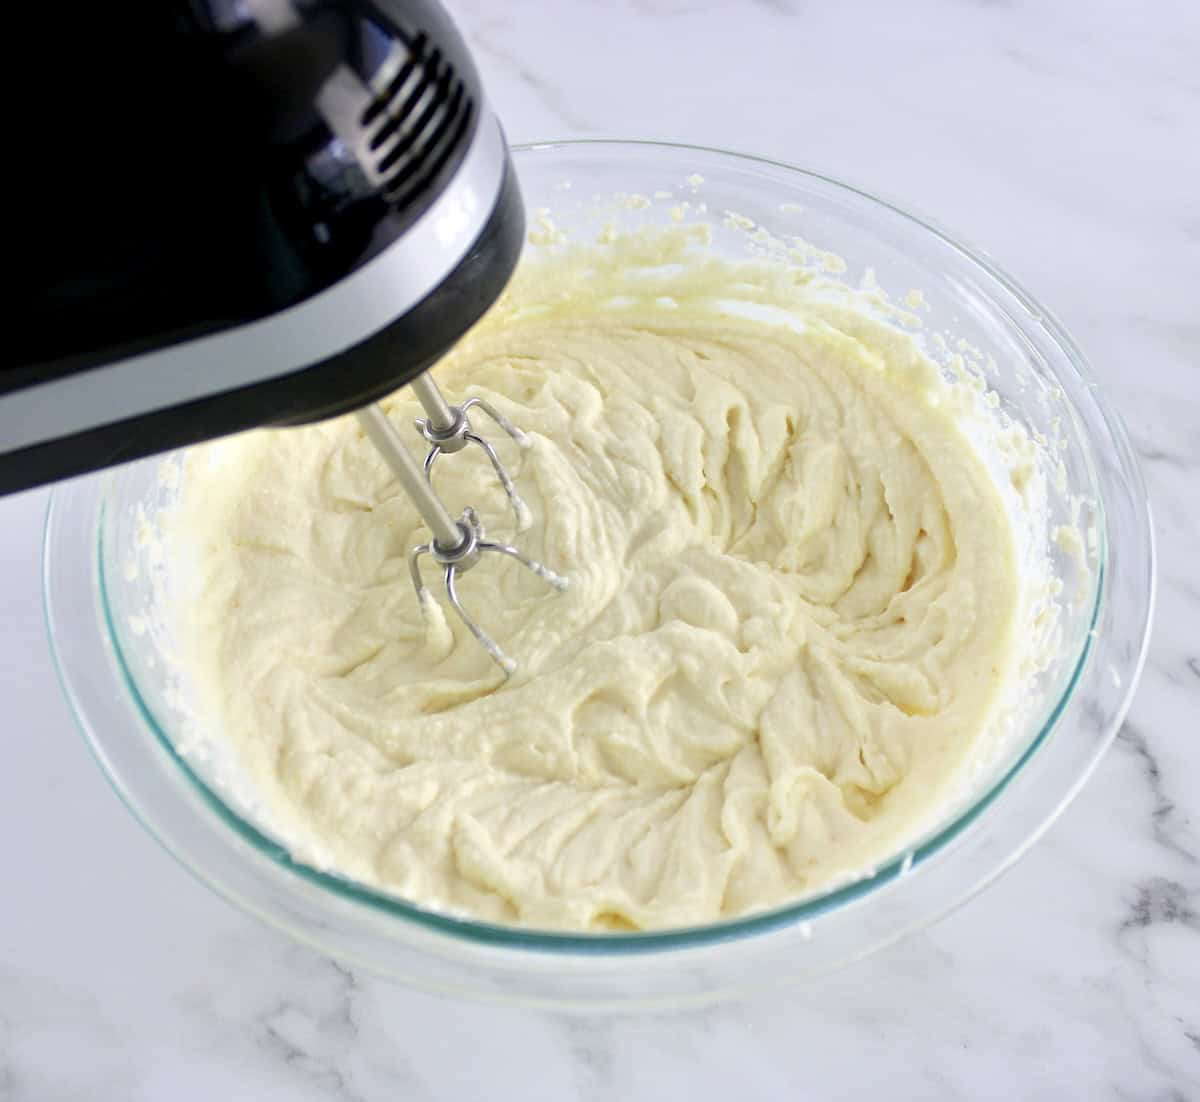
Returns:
(416,122)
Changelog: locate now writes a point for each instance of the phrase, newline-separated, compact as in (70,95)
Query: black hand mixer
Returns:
(239,213)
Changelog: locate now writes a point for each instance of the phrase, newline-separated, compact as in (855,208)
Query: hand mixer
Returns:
(255,212)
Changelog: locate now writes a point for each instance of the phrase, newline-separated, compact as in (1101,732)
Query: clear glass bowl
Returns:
(113,674)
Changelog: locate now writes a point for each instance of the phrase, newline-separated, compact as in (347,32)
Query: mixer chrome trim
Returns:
(285,343)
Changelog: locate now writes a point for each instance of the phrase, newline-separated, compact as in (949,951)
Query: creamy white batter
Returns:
(792,600)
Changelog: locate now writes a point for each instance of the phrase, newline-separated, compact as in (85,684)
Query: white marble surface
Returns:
(1062,137)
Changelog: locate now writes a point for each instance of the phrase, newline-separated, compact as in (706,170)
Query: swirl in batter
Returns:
(791,609)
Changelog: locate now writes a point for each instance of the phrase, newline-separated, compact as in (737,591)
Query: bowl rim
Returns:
(623,943)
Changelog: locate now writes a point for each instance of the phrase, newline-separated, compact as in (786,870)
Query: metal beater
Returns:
(456,545)
(448,430)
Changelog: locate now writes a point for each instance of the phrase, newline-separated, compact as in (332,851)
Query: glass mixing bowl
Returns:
(115,675)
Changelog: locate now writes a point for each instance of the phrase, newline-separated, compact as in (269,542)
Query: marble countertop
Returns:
(1063,139)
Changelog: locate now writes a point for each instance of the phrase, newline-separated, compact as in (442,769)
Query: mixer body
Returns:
(250,212)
